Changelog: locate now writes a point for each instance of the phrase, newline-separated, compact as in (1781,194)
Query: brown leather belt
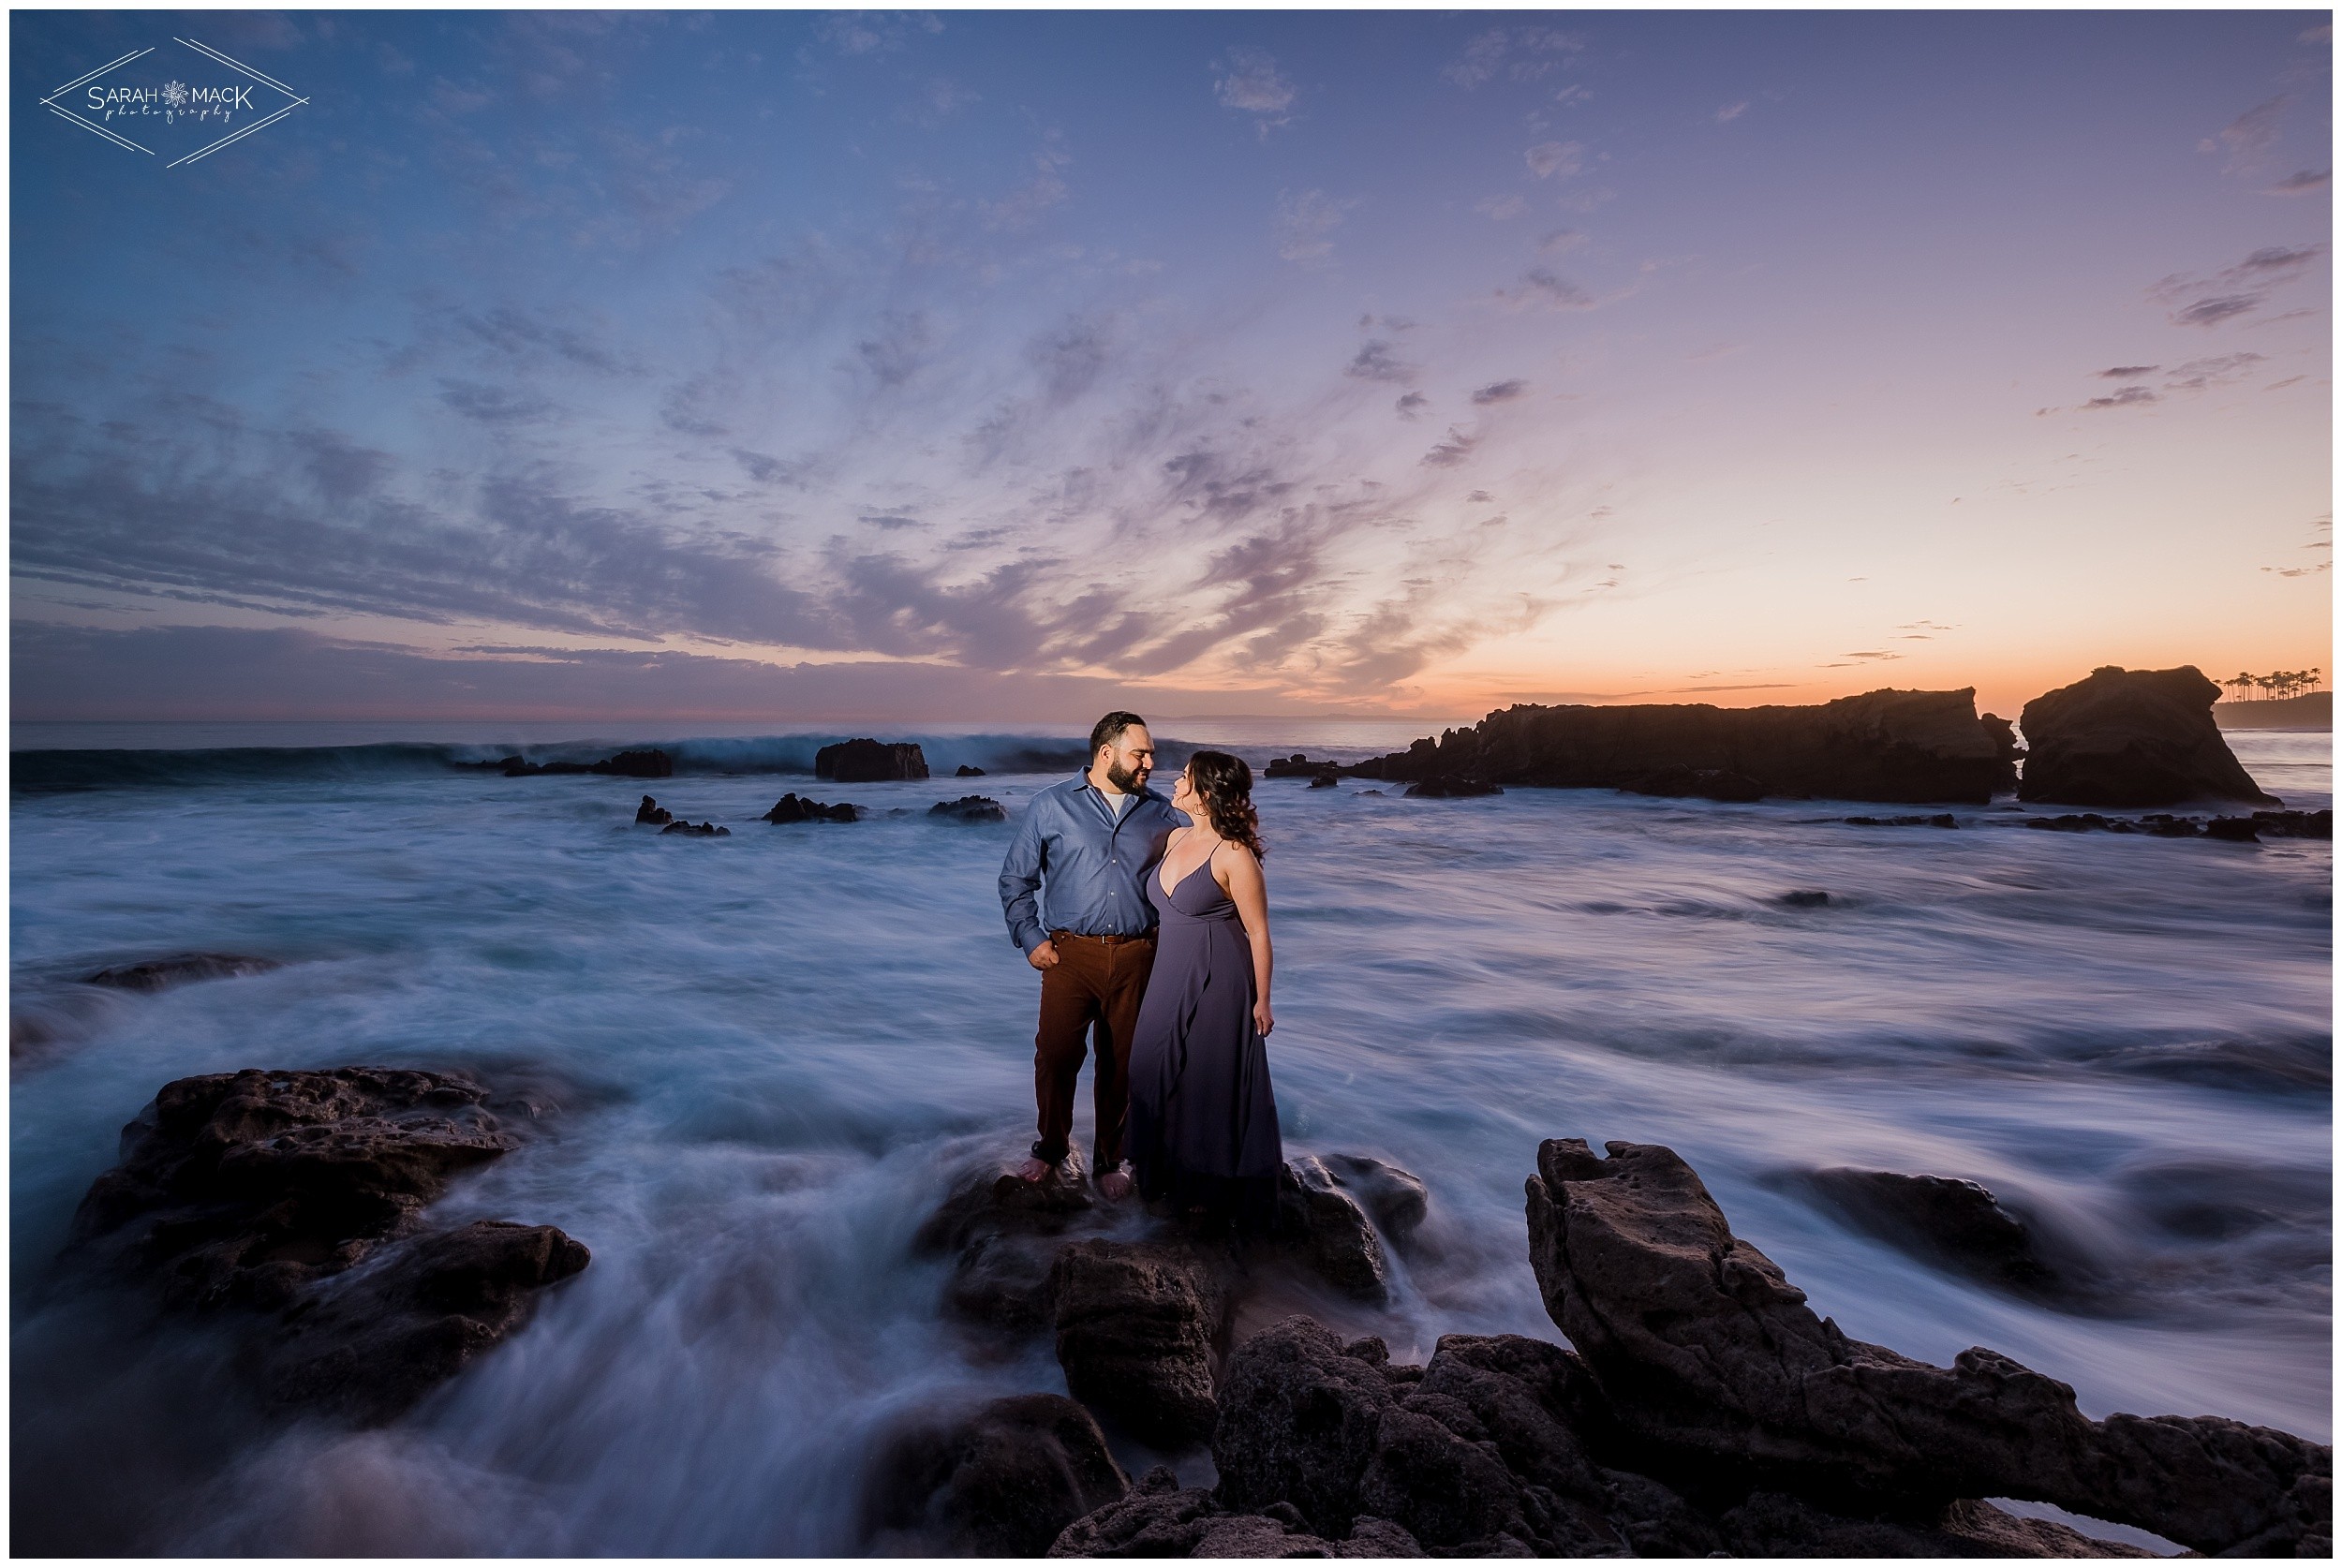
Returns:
(1106,941)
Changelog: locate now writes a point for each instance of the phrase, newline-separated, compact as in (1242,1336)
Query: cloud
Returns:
(1500,391)
(1539,287)
(1501,207)
(1561,241)
(1479,61)
(1731,112)
(1412,406)
(1020,207)
(493,406)
(1452,452)
(2130,397)
(889,520)
(1248,81)
(1569,98)
(1548,159)
(2218,371)
(2302,183)
(1303,223)
(1480,495)
(853,33)
(2248,135)
(1523,53)
(2198,301)
(1375,363)
(2127,372)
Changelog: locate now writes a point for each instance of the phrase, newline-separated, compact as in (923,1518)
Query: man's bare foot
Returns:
(1115,1185)
(1035,1169)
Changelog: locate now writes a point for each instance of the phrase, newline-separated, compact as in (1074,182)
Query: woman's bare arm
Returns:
(1237,870)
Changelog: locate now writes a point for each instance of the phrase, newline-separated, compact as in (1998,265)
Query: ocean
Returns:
(770,1053)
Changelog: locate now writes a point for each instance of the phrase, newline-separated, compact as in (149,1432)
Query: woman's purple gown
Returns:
(1203,1120)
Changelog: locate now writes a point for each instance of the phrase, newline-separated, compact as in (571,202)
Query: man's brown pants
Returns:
(1094,982)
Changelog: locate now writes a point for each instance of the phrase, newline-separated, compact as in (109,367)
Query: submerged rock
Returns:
(1709,1358)
(1940,1219)
(182,968)
(869,762)
(1805,898)
(1002,1481)
(793,807)
(650,763)
(1328,1230)
(1936,820)
(696,830)
(366,1347)
(1442,787)
(651,814)
(1325,781)
(970,808)
(297,1193)
(1887,745)
(1397,1202)
(2132,738)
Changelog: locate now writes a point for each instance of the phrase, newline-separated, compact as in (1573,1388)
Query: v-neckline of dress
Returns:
(1172,891)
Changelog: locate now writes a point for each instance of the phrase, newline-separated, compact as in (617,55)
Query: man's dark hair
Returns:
(1109,729)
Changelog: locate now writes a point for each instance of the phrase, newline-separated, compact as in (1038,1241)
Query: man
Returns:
(1086,847)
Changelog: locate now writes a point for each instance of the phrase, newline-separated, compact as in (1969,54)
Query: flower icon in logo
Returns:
(175,93)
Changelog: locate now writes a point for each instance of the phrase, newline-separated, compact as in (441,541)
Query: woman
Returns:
(1203,1120)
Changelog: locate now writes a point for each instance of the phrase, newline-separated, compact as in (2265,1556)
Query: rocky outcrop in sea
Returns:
(1884,746)
(2132,738)
(797,808)
(869,762)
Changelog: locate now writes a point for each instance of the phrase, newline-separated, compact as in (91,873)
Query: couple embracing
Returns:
(1149,921)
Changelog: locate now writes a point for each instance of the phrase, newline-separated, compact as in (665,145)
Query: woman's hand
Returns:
(1263,1019)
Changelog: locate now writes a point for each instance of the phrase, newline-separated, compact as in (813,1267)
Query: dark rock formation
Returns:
(1159,1519)
(1890,745)
(295,1192)
(793,807)
(696,830)
(2004,735)
(1937,820)
(970,808)
(1942,1219)
(1002,1481)
(964,771)
(2131,738)
(1298,766)
(869,762)
(2162,825)
(1328,1229)
(653,764)
(1397,1202)
(367,1346)
(1136,1327)
(1712,1361)
(1325,781)
(183,968)
(651,814)
(1679,781)
(1805,898)
(1003,1233)
(1446,786)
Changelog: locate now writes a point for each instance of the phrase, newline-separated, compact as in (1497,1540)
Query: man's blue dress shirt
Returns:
(1091,861)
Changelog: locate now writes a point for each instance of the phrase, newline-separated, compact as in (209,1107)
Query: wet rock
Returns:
(2295,825)
(1936,820)
(1298,1421)
(1325,781)
(1002,1481)
(869,762)
(2232,830)
(1442,787)
(367,1346)
(1003,1233)
(696,830)
(243,1186)
(1706,1353)
(1160,1519)
(2004,736)
(1720,784)
(651,764)
(793,807)
(1805,898)
(651,814)
(964,771)
(970,808)
(1774,1524)
(1940,1219)
(182,968)
(1884,746)
(1136,1326)
(1298,766)
(2131,738)
(1328,1230)
(1397,1201)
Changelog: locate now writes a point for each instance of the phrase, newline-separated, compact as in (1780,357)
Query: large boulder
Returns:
(2132,738)
(1002,1481)
(1887,745)
(1328,1230)
(869,762)
(1709,1357)
(1138,1324)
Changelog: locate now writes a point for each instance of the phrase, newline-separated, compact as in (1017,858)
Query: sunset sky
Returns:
(974,365)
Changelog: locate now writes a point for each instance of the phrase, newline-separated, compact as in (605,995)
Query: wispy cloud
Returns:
(1412,406)
(1501,208)
(1452,452)
(1304,223)
(2247,136)
(1549,158)
(2130,397)
(2198,301)
(1246,79)
(2302,183)
(2127,372)
(1520,53)
(1374,362)
(1731,112)
(1500,391)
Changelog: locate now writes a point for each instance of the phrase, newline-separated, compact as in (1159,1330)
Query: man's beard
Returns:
(1122,778)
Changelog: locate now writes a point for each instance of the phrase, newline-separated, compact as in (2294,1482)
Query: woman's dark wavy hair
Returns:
(1226,785)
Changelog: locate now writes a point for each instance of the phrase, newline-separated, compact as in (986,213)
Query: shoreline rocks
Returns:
(970,808)
(869,762)
(650,763)
(696,830)
(299,1196)
(1886,746)
(793,807)
(651,814)
(2132,738)
(1002,1481)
